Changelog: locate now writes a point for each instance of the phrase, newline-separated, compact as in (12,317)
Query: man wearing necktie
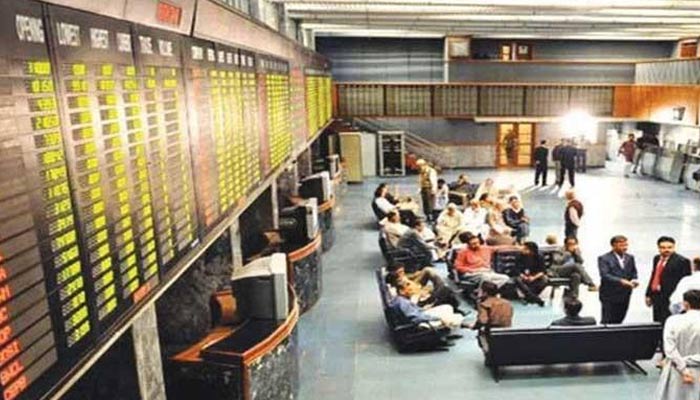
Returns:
(669,268)
(618,277)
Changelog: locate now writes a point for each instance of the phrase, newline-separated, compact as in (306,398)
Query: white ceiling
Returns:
(546,19)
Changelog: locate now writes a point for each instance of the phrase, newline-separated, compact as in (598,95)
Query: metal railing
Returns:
(414,143)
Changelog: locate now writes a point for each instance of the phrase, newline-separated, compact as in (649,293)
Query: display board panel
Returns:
(45,322)
(162,95)
(206,128)
(252,121)
(277,92)
(229,76)
(103,132)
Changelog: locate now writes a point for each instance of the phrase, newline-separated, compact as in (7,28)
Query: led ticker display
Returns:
(278,113)
(162,97)
(251,121)
(319,104)
(232,169)
(297,107)
(206,129)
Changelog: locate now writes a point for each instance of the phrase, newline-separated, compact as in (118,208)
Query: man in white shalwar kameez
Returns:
(680,378)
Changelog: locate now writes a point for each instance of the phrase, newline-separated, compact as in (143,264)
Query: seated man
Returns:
(515,218)
(572,307)
(568,263)
(430,289)
(412,240)
(493,311)
(473,262)
(448,223)
(532,279)
(383,202)
(438,316)
(393,228)
(462,190)
(475,219)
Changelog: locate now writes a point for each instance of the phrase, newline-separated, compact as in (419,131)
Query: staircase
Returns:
(415,144)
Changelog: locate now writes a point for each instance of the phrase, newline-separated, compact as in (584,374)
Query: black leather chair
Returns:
(378,213)
(398,256)
(568,345)
(506,262)
(409,337)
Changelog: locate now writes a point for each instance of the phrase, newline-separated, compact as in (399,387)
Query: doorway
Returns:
(514,145)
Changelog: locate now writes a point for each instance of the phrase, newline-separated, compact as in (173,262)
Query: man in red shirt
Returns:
(474,262)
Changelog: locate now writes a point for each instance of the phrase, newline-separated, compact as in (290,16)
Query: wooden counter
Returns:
(269,370)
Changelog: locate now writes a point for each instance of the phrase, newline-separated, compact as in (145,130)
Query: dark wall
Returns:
(383,60)
(579,49)
(421,60)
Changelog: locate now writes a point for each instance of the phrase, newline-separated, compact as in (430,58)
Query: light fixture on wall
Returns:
(678,113)
(579,123)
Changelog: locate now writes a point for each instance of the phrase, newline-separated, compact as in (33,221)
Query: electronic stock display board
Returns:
(277,95)
(96,196)
(222,94)
(121,146)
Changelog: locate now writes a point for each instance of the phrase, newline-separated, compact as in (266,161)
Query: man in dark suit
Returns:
(618,277)
(668,269)
(568,163)
(541,156)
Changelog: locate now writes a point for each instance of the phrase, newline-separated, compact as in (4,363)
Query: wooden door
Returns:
(506,52)
(514,145)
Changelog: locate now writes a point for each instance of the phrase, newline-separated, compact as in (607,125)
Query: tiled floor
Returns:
(345,348)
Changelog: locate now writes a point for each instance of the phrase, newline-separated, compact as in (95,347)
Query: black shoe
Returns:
(539,302)
(454,336)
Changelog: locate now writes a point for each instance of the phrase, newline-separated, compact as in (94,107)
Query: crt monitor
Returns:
(260,288)
(298,224)
(317,185)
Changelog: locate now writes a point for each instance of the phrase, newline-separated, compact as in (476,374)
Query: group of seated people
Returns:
(493,220)
(489,217)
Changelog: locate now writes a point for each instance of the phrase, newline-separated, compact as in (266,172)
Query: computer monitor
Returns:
(298,224)
(260,288)
(317,185)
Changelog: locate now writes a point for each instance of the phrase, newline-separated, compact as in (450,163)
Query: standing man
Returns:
(572,214)
(669,268)
(644,142)
(541,158)
(556,157)
(427,181)
(679,377)
(627,150)
(618,277)
(568,163)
